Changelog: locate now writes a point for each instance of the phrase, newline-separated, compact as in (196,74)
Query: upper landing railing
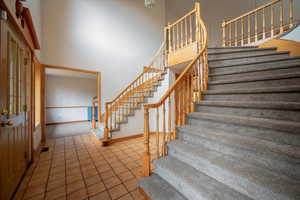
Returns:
(265,22)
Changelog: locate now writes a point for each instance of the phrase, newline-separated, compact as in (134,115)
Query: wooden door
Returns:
(14,111)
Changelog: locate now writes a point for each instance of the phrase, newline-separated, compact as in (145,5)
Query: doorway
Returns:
(69,95)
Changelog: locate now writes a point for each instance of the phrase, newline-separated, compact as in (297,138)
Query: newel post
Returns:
(105,141)
(146,158)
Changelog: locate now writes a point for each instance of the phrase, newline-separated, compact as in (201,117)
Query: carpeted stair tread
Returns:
(159,189)
(253,181)
(280,125)
(193,184)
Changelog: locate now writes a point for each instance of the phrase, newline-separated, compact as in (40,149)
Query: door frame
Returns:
(43,93)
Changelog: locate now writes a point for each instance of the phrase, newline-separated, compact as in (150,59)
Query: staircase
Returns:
(137,93)
(243,140)
(134,100)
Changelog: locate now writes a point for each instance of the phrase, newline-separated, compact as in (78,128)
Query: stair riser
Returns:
(257,124)
(241,61)
(236,182)
(270,135)
(256,73)
(256,158)
(288,97)
(224,50)
(252,112)
(238,54)
(256,84)
(260,66)
(179,184)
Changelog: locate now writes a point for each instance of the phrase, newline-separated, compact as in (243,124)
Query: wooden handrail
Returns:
(157,53)
(129,85)
(258,24)
(59,107)
(172,88)
(253,11)
(181,18)
(188,88)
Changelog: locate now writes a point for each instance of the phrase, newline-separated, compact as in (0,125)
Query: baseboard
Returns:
(144,194)
(70,122)
(122,139)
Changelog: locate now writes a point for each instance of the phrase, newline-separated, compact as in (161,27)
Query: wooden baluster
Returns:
(115,118)
(177,33)
(264,25)
(281,19)
(249,30)
(119,113)
(236,33)
(170,46)
(199,79)
(169,118)
(123,112)
(272,21)
(176,107)
(164,129)
(146,157)
(181,34)
(186,31)
(256,26)
(106,130)
(197,7)
(188,93)
(174,38)
(110,117)
(291,13)
(182,103)
(242,31)
(184,100)
(191,29)
(157,132)
(230,35)
(197,33)
(224,33)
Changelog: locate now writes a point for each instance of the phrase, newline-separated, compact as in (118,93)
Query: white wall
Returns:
(115,37)
(68,91)
(293,35)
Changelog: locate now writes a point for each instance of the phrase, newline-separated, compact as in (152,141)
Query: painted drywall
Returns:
(115,37)
(68,91)
(293,35)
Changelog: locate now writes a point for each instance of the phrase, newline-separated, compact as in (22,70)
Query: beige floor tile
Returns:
(131,184)
(111,182)
(96,188)
(92,180)
(117,191)
(101,196)
(75,186)
(78,195)
(126,197)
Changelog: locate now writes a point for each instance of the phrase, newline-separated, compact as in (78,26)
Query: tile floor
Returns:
(78,167)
